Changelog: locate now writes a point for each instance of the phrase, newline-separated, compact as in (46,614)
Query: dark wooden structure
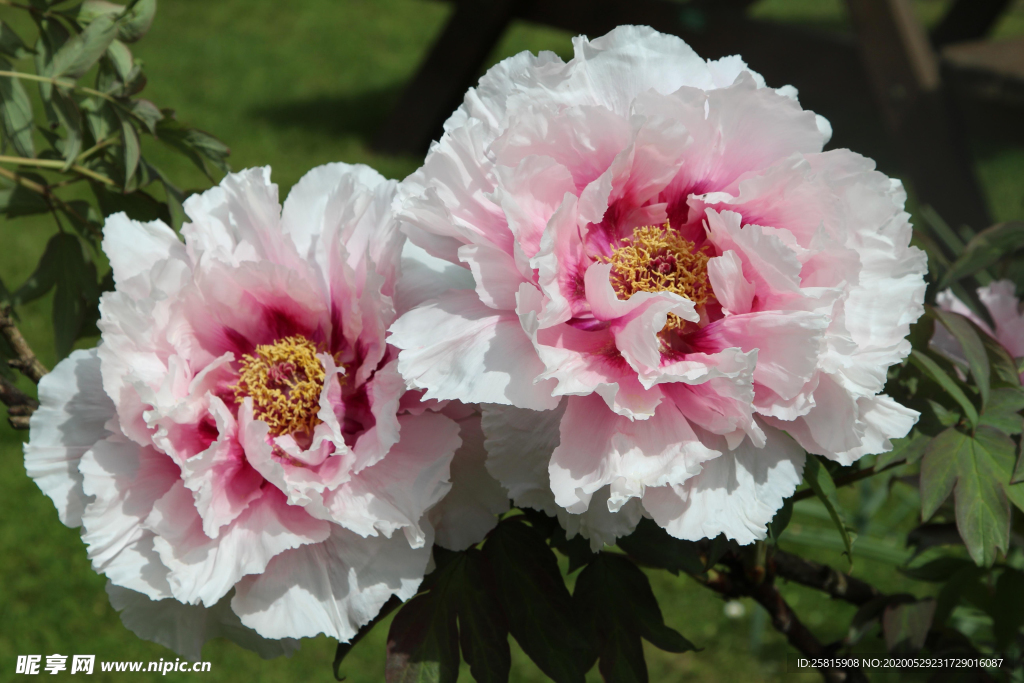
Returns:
(890,72)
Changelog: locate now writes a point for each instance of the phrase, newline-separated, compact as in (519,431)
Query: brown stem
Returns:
(823,578)
(736,583)
(25,359)
(20,406)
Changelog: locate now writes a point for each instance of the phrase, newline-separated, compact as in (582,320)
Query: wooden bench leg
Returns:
(452,66)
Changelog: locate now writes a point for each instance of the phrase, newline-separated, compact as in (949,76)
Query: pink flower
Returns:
(663,258)
(240,450)
(1005,309)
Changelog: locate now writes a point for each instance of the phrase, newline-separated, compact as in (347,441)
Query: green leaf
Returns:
(121,59)
(11,43)
(650,545)
(44,277)
(781,520)
(938,570)
(909,448)
(82,51)
(16,113)
(979,469)
(62,107)
(1018,472)
(906,625)
(147,113)
(130,150)
(820,481)
(197,145)
(137,21)
(1003,410)
(139,205)
(614,597)
(985,249)
(1006,371)
(76,292)
(483,628)
(423,643)
(19,201)
(536,602)
(1008,617)
(930,368)
(946,417)
(965,332)
(101,118)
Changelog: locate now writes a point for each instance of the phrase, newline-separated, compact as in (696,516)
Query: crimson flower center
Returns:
(284,380)
(658,259)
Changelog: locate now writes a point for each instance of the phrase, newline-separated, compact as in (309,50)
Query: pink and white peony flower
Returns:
(1004,307)
(240,450)
(663,259)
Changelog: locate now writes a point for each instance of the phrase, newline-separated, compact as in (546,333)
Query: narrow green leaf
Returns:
(939,376)
(820,481)
(44,277)
(121,59)
(1003,410)
(1003,364)
(781,520)
(974,350)
(11,43)
(129,148)
(946,417)
(985,249)
(650,545)
(16,113)
(1018,471)
(66,111)
(135,24)
(82,51)
(18,201)
(202,148)
(536,602)
(147,113)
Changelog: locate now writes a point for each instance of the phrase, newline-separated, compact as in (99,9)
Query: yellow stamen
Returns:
(657,259)
(284,380)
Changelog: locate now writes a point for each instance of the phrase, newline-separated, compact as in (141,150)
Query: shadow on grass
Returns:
(358,115)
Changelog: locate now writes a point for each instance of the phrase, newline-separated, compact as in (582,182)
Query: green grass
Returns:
(295,85)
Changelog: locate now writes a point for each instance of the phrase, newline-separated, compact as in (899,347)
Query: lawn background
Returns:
(298,84)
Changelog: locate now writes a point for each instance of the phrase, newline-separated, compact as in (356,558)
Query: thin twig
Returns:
(851,478)
(49,196)
(58,82)
(57,165)
(25,360)
(20,405)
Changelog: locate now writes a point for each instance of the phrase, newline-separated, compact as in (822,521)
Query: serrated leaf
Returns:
(820,481)
(906,625)
(82,51)
(651,546)
(536,602)
(423,643)
(974,350)
(985,249)
(11,43)
(977,469)
(483,628)
(615,598)
(1003,410)
(16,115)
(930,368)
